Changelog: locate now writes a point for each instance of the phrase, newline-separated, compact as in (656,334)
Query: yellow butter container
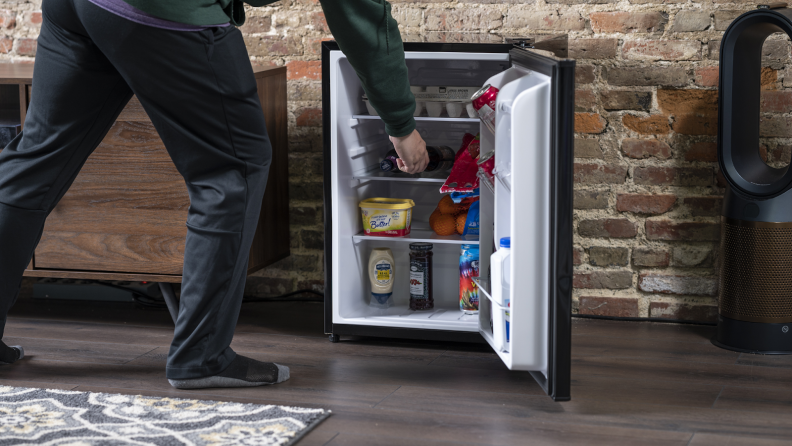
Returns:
(386,217)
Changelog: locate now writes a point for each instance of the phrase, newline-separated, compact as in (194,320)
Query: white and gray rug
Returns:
(68,418)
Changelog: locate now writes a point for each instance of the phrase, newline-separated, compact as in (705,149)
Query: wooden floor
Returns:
(633,383)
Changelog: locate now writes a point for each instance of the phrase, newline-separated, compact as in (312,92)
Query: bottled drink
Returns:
(441,158)
(468,269)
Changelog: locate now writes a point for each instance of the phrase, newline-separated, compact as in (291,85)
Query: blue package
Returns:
(457,197)
(472,222)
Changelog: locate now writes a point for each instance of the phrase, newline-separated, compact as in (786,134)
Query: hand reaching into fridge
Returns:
(413,157)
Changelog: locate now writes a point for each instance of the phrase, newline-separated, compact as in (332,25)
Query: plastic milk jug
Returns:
(500,270)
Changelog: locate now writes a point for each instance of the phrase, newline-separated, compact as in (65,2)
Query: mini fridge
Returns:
(530,200)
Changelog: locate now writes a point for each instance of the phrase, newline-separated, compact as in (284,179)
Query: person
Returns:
(186,62)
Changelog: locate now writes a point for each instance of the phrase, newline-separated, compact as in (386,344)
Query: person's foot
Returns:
(10,355)
(242,372)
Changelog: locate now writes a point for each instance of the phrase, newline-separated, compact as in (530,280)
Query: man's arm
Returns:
(369,37)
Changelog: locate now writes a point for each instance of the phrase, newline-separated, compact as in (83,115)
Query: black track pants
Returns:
(199,90)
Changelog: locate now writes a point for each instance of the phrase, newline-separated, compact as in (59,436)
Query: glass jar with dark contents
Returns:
(421,297)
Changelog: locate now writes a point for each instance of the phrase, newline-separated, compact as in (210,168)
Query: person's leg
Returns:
(77,95)
(199,90)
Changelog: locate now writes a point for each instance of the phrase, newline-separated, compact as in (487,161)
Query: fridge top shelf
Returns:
(426,177)
(418,235)
(424,118)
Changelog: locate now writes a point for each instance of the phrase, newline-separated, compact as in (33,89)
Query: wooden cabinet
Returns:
(124,216)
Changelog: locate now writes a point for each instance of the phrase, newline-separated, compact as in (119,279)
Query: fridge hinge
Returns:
(521,42)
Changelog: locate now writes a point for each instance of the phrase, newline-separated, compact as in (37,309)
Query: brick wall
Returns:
(648,191)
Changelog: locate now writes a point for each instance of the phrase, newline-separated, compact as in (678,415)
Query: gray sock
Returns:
(242,372)
(10,355)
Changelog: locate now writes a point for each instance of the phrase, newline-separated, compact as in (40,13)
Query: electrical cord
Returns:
(139,296)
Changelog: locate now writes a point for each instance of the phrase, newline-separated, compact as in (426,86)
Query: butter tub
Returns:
(386,217)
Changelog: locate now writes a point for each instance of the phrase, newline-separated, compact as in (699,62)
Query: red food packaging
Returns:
(463,175)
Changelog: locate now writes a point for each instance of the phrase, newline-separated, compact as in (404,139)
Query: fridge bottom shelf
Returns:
(439,318)
(420,235)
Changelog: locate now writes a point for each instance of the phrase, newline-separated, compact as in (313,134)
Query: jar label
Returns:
(418,278)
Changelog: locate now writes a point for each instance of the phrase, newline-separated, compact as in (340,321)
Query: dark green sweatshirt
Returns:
(364,29)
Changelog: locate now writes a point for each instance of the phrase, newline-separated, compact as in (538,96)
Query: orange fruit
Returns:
(460,222)
(444,224)
(434,216)
(447,205)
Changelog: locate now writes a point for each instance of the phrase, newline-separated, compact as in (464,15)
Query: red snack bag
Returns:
(463,175)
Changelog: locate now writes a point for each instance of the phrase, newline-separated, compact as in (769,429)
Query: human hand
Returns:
(413,157)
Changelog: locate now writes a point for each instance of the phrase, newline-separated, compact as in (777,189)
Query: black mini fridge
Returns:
(529,200)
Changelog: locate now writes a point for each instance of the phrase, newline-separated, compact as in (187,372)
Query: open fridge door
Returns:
(525,310)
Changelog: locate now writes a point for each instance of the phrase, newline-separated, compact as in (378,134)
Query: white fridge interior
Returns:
(516,205)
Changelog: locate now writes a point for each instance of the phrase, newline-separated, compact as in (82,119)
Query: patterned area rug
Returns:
(67,418)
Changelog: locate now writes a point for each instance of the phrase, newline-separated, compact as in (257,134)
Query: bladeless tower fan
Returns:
(755,294)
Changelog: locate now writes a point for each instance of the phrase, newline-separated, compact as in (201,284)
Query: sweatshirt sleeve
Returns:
(369,37)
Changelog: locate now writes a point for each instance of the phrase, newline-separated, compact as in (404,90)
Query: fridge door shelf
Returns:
(418,234)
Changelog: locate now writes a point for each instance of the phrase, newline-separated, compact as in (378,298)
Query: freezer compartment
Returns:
(426,69)
(354,289)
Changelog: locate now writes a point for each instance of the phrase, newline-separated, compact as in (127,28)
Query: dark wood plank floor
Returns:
(633,383)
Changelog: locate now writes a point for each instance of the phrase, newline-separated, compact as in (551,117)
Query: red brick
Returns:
(652,50)
(26,47)
(585,100)
(695,112)
(609,306)
(589,123)
(34,18)
(577,256)
(319,22)
(584,74)
(545,20)
(590,199)
(695,124)
(310,117)
(626,100)
(682,285)
(299,69)
(707,76)
(650,257)
(720,180)
(593,48)
(769,78)
(599,174)
(704,206)
(255,25)
(644,203)
(774,125)
(677,176)
(648,77)
(776,101)
(608,227)
(651,125)
(684,312)
(7,19)
(781,154)
(6,44)
(610,280)
(702,151)
(646,148)
(463,20)
(683,102)
(688,231)
(627,22)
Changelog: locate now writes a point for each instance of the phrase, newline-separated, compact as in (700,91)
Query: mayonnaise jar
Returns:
(381,274)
